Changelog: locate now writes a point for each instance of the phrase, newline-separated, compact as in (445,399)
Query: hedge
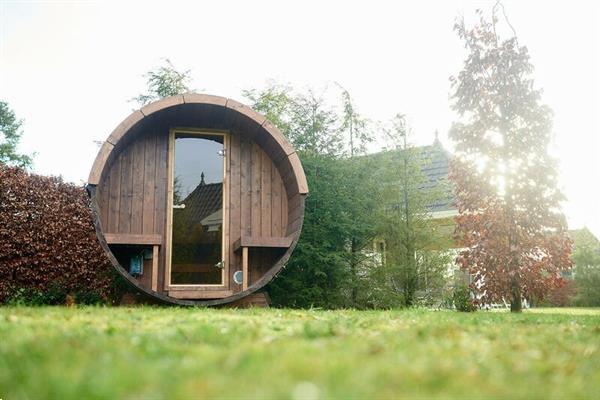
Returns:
(48,247)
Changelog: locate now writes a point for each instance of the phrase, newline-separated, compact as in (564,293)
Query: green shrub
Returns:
(462,298)
(587,282)
(56,294)
(24,297)
(88,298)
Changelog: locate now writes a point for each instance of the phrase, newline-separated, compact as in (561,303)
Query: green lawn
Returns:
(138,353)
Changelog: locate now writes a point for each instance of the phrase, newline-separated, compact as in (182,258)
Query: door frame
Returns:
(219,289)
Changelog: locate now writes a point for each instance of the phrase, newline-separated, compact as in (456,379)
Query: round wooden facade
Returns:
(197,199)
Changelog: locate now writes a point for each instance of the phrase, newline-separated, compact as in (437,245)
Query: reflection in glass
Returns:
(197,210)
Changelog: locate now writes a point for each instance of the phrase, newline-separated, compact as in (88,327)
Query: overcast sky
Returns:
(69,68)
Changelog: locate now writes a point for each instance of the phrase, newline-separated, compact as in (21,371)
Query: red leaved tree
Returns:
(510,223)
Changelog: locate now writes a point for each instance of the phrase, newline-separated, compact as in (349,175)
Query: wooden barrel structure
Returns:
(197,199)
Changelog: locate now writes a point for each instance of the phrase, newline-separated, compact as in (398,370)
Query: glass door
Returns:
(197,209)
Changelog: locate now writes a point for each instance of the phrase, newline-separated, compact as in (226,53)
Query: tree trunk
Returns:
(515,283)
(354,283)
(515,304)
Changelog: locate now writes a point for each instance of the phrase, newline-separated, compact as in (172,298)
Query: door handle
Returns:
(179,206)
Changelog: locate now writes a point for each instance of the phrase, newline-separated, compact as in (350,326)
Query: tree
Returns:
(358,197)
(10,135)
(413,258)
(323,268)
(586,257)
(313,129)
(275,103)
(164,81)
(354,125)
(510,222)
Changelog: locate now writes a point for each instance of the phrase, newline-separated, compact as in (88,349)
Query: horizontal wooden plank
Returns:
(256,241)
(200,294)
(184,287)
(127,238)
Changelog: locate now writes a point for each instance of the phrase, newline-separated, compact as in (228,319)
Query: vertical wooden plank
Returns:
(245,268)
(103,201)
(160,199)
(284,210)
(265,202)
(126,190)
(145,278)
(169,208)
(160,188)
(246,187)
(148,212)
(275,202)
(114,197)
(256,190)
(137,202)
(154,267)
(235,213)
(226,209)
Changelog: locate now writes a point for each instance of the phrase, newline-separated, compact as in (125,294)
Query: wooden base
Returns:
(129,299)
(260,300)
(200,294)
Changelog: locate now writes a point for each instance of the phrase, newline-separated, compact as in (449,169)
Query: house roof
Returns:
(435,167)
(584,238)
(204,201)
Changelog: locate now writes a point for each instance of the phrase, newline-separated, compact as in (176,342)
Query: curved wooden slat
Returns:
(245,110)
(99,163)
(162,104)
(125,126)
(275,136)
(197,98)
(298,173)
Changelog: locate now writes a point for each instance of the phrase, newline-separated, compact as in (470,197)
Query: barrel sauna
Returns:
(197,199)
